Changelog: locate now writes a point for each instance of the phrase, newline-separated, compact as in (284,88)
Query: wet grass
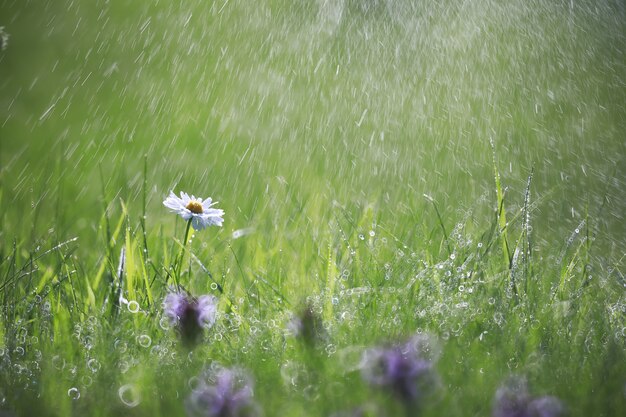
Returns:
(454,169)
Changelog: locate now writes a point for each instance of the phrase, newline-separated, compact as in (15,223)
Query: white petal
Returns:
(198,223)
(174,203)
(207,203)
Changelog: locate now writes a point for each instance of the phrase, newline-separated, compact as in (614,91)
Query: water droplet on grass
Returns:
(93,365)
(120,345)
(124,366)
(133,306)
(129,395)
(87,380)
(330,349)
(58,362)
(73,393)
(164,323)
(144,340)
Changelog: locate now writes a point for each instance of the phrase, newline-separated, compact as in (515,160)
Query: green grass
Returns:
(454,168)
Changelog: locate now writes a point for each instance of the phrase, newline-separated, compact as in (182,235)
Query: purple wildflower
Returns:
(190,315)
(513,400)
(223,393)
(404,369)
(307,326)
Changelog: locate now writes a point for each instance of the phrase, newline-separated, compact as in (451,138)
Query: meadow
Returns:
(439,184)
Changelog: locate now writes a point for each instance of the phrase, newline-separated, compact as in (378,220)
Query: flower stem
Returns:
(179,263)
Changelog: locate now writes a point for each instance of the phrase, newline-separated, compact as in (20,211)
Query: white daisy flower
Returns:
(196,209)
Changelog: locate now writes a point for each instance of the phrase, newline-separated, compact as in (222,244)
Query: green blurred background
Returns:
(285,110)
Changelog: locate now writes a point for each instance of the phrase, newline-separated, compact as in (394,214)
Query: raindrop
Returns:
(361,237)
(164,323)
(498,318)
(87,380)
(124,366)
(214,286)
(133,306)
(372,233)
(93,365)
(120,345)
(310,393)
(58,362)
(73,393)
(129,395)
(293,374)
(194,383)
(144,340)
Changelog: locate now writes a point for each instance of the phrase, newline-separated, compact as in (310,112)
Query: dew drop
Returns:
(133,306)
(331,349)
(73,393)
(124,366)
(58,362)
(93,365)
(129,395)
(120,345)
(87,380)
(164,323)
(144,340)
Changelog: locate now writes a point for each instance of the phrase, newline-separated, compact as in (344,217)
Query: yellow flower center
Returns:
(194,207)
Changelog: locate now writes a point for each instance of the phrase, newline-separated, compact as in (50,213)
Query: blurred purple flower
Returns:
(307,326)
(190,315)
(223,393)
(406,369)
(513,400)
